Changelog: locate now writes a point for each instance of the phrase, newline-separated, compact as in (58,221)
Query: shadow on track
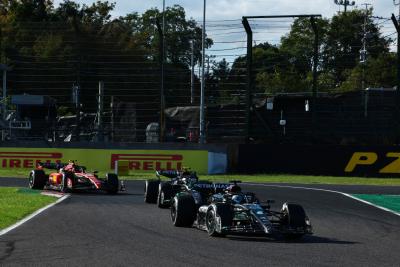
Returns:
(9,247)
(305,240)
(101,193)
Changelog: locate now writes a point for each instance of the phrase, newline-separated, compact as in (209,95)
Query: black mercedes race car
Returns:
(237,212)
(69,177)
(162,192)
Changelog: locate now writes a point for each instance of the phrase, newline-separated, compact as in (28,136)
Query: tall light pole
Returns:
(345,3)
(396,23)
(162,93)
(192,73)
(363,60)
(203,41)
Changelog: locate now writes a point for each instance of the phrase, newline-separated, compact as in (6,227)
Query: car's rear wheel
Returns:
(64,184)
(112,183)
(151,191)
(183,211)
(37,179)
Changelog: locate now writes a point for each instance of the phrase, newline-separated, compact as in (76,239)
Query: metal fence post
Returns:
(100,133)
(397,26)
(249,59)
(162,91)
(315,77)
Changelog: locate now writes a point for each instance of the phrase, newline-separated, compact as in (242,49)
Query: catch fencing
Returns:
(100,89)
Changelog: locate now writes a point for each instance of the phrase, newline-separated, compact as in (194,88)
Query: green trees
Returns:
(86,44)
(179,32)
(344,41)
(287,66)
(83,44)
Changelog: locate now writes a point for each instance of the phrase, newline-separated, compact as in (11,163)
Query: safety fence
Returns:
(100,85)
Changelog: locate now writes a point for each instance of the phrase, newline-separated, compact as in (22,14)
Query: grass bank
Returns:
(17,203)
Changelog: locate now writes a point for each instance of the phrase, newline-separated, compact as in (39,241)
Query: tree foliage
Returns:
(287,66)
(87,44)
(82,44)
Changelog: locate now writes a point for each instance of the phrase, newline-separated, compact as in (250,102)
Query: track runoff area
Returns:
(101,229)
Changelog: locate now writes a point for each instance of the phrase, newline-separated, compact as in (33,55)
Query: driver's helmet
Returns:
(234,189)
(190,178)
(70,167)
(237,199)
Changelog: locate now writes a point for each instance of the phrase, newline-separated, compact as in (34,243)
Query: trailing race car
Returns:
(70,177)
(237,212)
(161,192)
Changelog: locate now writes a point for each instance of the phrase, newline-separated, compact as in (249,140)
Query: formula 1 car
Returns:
(237,212)
(162,192)
(70,177)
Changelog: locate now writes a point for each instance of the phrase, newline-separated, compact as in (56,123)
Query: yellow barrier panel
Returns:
(122,167)
(104,159)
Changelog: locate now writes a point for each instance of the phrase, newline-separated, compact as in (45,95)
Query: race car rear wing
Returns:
(51,165)
(57,166)
(167,173)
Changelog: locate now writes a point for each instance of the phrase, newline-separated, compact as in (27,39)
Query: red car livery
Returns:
(71,177)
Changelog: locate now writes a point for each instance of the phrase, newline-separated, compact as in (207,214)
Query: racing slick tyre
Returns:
(37,179)
(293,217)
(67,184)
(225,214)
(183,211)
(151,191)
(112,183)
(164,195)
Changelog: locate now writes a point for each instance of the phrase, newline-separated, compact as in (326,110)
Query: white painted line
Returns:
(31,216)
(372,204)
(329,191)
(53,194)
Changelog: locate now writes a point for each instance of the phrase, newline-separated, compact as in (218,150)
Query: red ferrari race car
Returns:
(71,177)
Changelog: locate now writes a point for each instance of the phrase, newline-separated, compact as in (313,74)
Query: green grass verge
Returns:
(391,202)
(17,203)
(260,178)
(306,179)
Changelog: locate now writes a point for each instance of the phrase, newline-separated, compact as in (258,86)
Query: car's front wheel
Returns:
(225,216)
(112,183)
(183,210)
(151,191)
(293,217)
(164,195)
(37,179)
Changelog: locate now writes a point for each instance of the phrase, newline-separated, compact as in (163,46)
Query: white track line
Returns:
(329,191)
(29,217)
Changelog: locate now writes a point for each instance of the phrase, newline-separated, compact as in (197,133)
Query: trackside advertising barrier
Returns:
(371,161)
(104,159)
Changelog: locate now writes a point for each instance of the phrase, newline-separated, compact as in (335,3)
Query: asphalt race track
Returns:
(121,230)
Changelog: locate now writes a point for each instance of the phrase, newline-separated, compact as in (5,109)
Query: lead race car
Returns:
(71,177)
(235,212)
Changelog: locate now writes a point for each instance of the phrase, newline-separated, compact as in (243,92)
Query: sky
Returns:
(224,18)
(235,9)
